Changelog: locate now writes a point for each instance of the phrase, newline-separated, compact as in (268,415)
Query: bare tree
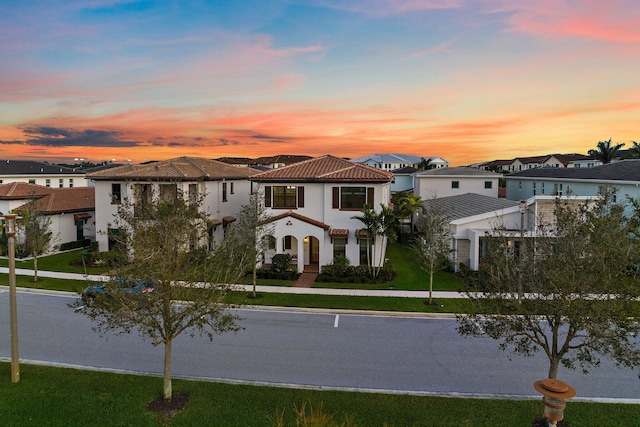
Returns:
(432,243)
(37,232)
(164,247)
(254,229)
(580,295)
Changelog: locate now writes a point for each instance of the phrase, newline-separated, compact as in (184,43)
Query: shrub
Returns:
(280,263)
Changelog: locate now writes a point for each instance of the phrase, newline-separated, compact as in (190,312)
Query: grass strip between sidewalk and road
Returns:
(62,397)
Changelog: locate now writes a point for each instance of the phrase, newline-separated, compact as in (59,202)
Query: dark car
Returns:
(90,293)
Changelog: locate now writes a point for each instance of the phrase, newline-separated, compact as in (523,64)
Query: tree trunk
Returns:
(166,384)
(431,287)
(255,279)
(553,368)
(35,268)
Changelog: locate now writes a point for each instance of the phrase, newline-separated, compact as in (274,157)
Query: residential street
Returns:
(316,349)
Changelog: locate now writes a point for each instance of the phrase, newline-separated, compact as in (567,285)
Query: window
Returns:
(61,183)
(455,184)
(542,185)
(168,192)
(270,243)
(534,189)
(116,194)
(284,196)
(47,182)
(488,184)
(557,189)
(364,250)
(70,182)
(143,199)
(193,195)
(231,187)
(339,247)
(353,197)
(32,181)
(224,191)
(287,242)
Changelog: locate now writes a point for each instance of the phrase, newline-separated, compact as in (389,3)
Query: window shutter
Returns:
(301,197)
(370,202)
(336,197)
(267,196)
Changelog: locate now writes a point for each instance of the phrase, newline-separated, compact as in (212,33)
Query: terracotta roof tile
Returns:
(325,169)
(299,217)
(60,200)
(178,169)
(22,190)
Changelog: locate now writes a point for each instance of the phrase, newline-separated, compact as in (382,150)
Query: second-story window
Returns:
(285,196)
(116,194)
(488,184)
(61,183)
(70,182)
(224,191)
(455,184)
(47,182)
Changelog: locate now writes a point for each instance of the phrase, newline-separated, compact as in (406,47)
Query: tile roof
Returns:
(29,167)
(469,204)
(287,159)
(59,200)
(407,170)
(22,190)
(291,214)
(324,169)
(458,171)
(625,170)
(177,169)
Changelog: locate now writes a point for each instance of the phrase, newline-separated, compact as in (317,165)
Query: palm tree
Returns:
(425,164)
(634,152)
(376,225)
(605,152)
(406,204)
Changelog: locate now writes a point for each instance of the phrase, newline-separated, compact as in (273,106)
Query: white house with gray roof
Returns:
(391,162)
(623,175)
(40,173)
(445,182)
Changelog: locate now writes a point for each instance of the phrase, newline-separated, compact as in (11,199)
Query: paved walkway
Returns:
(264,289)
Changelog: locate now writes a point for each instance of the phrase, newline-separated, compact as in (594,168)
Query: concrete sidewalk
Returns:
(264,289)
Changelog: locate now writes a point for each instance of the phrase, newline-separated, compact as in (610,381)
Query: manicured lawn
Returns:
(62,397)
(58,262)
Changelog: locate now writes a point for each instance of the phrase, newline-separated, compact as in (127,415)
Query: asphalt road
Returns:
(397,354)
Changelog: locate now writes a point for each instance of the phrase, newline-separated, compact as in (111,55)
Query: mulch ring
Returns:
(167,409)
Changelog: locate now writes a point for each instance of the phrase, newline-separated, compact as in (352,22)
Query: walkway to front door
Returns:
(307,277)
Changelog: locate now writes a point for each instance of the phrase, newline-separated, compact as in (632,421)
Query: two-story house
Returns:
(393,161)
(40,173)
(445,182)
(312,205)
(577,181)
(224,189)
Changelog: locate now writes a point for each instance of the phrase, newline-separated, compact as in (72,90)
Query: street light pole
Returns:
(10,228)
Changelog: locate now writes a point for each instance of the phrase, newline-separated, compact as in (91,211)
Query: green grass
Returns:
(57,262)
(62,397)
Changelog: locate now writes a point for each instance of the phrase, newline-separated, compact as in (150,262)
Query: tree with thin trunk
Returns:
(164,246)
(432,244)
(605,152)
(580,290)
(254,228)
(634,151)
(36,227)
(377,225)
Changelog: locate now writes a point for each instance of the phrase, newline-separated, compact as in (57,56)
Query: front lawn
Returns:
(47,396)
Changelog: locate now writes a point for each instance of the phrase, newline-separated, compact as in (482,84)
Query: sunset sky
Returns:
(467,80)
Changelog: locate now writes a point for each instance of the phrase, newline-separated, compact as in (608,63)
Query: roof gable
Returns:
(177,169)
(324,169)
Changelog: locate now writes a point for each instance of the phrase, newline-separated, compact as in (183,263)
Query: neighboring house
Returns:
(524,163)
(550,160)
(40,173)
(471,216)
(391,162)
(445,182)
(71,210)
(623,175)
(570,161)
(224,188)
(312,205)
(403,179)
(278,161)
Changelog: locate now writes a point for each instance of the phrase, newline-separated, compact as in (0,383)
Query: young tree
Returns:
(432,244)
(377,224)
(254,228)
(580,297)
(37,232)
(605,152)
(165,245)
